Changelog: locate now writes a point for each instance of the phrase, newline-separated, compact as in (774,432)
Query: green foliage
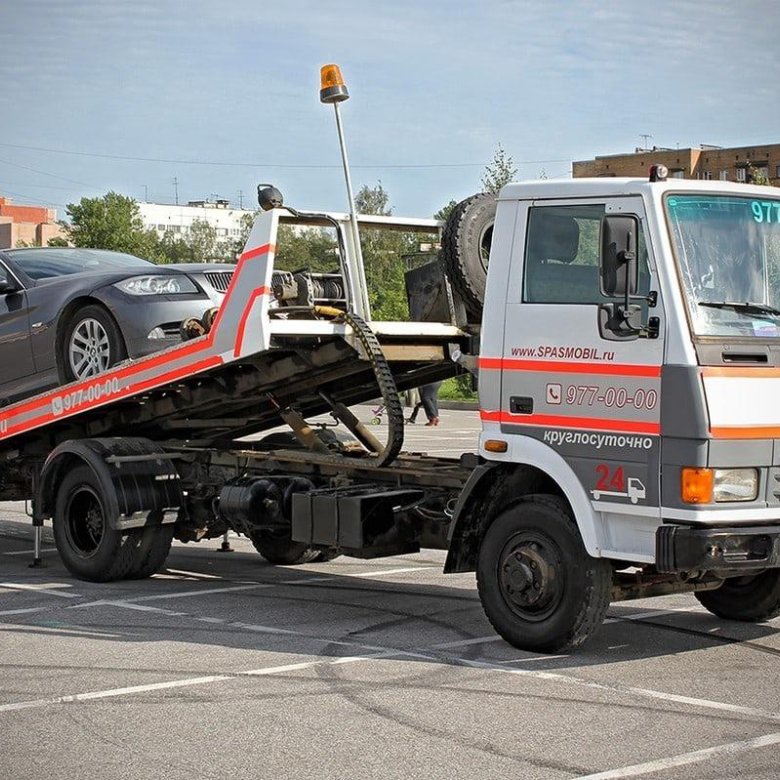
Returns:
(111,222)
(444,212)
(202,240)
(458,388)
(499,172)
(384,253)
(57,241)
(311,249)
(757,176)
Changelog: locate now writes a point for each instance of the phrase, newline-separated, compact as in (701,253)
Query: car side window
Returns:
(562,254)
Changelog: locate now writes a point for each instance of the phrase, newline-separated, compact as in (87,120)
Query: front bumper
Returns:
(681,548)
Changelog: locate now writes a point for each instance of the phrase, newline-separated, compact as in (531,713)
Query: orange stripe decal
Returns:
(585,423)
(748,372)
(560,367)
(743,432)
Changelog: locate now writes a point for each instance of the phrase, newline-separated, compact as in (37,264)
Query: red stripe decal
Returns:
(258,250)
(556,367)
(260,291)
(586,423)
(130,390)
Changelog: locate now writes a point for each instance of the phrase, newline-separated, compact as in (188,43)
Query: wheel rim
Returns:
(485,241)
(530,576)
(89,350)
(84,522)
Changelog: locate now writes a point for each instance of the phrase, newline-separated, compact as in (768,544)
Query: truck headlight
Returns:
(703,486)
(735,485)
(157,285)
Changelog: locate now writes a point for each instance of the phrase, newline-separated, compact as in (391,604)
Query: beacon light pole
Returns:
(334,90)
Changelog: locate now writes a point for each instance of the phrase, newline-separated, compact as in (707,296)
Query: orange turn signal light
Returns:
(496,445)
(332,86)
(696,486)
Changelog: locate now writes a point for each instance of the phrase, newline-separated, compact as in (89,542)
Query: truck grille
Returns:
(219,280)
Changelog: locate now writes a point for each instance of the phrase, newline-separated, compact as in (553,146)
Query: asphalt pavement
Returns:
(223,666)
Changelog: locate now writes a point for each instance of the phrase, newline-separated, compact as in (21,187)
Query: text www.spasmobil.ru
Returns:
(563,353)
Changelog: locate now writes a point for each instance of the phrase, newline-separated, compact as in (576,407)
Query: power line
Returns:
(262,164)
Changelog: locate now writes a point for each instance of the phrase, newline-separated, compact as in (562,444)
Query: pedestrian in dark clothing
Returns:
(429,401)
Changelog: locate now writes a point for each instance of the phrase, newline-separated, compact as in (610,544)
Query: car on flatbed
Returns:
(69,313)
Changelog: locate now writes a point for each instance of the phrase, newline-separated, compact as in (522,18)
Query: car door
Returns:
(16,357)
(594,400)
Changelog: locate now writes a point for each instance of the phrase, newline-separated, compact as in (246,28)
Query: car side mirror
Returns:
(619,277)
(8,286)
(618,261)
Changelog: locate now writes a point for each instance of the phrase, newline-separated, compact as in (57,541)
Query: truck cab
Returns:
(630,364)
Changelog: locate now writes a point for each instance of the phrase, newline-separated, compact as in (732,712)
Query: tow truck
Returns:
(625,332)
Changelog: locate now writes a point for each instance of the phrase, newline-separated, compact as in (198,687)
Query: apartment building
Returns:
(30,225)
(177,220)
(738,163)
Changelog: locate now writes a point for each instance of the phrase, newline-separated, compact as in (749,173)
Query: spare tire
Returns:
(465,245)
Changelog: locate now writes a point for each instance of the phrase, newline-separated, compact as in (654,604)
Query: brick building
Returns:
(28,224)
(702,162)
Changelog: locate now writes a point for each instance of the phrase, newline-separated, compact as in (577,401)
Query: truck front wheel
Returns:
(751,599)
(538,586)
(89,547)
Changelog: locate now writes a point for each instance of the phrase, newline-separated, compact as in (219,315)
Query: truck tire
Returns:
(539,588)
(152,545)
(280,550)
(90,549)
(750,599)
(465,246)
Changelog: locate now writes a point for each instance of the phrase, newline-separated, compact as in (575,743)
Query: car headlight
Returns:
(703,486)
(734,484)
(157,285)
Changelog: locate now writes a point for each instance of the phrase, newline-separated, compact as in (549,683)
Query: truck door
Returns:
(15,351)
(594,401)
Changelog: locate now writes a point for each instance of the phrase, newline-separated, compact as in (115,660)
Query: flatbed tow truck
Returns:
(628,339)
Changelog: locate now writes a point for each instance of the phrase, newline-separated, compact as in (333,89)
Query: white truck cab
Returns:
(630,362)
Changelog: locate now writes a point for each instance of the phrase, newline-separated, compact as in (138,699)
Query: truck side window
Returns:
(562,254)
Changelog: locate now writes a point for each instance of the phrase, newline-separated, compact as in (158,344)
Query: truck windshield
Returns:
(728,249)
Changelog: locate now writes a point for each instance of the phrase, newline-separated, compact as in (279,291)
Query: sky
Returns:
(159,98)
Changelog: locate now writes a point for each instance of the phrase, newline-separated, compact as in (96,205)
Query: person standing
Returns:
(429,401)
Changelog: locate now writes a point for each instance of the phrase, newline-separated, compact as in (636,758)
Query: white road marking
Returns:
(479,640)
(44,587)
(178,595)
(185,683)
(197,574)
(719,751)
(22,611)
(625,689)
(31,552)
(142,607)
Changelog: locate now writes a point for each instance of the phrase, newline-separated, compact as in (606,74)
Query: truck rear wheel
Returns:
(751,599)
(88,546)
(152,545)
(538,586)
(280,550)
(465,245)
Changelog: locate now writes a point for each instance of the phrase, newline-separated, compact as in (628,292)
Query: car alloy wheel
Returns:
(89,350)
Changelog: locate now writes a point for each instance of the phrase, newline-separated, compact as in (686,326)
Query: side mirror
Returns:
(619,275)
(7,286)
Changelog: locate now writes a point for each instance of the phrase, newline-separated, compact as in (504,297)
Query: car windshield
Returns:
(728,250)
(50,262)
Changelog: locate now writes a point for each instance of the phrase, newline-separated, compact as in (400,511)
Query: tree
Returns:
(311,249)
(384,252)
(111,222)
(202,241)
(444,212)
(500,171)
(57,241)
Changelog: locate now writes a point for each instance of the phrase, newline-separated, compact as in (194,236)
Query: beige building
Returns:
(702,162)
(33,225)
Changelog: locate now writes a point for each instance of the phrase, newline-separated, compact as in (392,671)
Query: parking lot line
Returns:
(44,587)
(697,756)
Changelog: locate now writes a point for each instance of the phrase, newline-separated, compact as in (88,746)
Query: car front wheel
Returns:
(92,344)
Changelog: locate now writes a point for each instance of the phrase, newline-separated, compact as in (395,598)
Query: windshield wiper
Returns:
(743,306)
